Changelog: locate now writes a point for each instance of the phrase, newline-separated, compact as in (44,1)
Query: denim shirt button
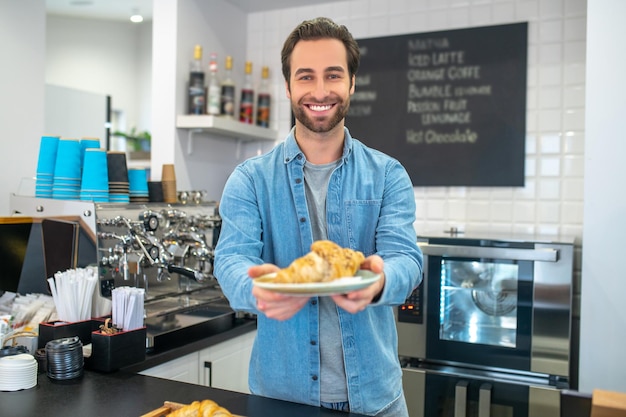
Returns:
(313,302)
(302,219)
(314,377)
(299,157)
(298,180)
(313,342)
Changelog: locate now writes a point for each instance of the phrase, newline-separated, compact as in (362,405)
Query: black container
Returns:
(110,352)
(60,329)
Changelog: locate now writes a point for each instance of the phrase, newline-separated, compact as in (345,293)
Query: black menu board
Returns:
(450,105)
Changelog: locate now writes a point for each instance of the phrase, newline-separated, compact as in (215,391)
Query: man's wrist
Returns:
(380,293)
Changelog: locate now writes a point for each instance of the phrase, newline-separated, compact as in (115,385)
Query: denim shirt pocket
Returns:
(361,220)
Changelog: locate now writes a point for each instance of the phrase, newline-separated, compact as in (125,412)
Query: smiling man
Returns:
(336,351)
(320,96)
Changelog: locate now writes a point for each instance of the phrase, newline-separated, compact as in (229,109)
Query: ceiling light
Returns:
(136,17)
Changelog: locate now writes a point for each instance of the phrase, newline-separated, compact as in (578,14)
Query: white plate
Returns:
(362,279)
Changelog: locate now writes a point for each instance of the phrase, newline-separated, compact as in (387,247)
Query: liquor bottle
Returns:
(213,88)
(195,91)
(246,106)
(227,99)
(263,100)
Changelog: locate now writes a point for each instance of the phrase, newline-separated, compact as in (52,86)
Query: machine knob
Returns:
(153,251)
(151,223)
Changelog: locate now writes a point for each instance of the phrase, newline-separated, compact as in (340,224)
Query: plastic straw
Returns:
(128,306)
(72,292)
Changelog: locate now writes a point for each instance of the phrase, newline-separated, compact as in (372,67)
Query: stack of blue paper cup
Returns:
(95,178)
(138,185)
(48,147)
(67,171)
(118,177)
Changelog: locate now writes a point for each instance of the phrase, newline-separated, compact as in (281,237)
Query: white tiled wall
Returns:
(551,200)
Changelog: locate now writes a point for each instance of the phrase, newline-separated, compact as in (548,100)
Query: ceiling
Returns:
(122,9)
(100,9)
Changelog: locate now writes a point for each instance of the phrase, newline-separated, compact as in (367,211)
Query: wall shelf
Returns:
(242,132)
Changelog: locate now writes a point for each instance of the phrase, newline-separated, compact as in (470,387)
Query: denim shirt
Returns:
(370,207)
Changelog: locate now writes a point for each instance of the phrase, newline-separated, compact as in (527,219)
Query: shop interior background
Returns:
(572,128)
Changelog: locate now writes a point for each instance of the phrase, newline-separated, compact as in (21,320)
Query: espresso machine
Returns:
(166,249)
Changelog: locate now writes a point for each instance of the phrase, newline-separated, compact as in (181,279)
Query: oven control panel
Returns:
(411,310)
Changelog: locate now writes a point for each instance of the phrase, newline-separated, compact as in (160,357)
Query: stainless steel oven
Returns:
(448,391)
(489,328)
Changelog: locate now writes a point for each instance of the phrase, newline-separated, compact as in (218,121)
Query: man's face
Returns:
(320,84)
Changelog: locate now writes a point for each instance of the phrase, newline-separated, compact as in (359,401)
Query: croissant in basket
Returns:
(327,261)
(205,408)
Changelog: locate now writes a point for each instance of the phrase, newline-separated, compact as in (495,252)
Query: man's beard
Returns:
(321,126)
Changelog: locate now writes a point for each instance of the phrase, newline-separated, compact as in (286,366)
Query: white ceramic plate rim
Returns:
(362,279)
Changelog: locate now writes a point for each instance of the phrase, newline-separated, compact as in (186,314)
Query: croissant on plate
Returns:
(205,408)
(325,262)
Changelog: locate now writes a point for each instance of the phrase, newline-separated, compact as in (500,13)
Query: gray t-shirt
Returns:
(333,386)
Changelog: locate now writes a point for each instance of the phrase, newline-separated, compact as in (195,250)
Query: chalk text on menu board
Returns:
(449,105)
(431,60)
(443,103)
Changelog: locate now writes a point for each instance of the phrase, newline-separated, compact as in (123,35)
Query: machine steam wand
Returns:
(164,264)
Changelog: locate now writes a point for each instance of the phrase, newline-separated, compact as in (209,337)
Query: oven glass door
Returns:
(479,311)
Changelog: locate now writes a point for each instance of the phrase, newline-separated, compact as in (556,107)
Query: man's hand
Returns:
(356,301)
(274,305)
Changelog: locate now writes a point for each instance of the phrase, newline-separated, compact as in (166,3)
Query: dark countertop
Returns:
(124,394)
